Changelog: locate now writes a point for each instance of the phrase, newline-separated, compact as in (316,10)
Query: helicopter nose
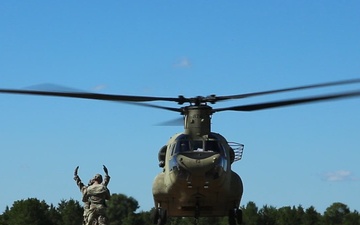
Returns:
(198,166)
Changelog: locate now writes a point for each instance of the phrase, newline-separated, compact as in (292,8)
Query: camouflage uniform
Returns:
(86,198)
(97,194)
(83,188)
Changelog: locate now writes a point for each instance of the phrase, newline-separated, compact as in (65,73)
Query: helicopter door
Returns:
(161,156)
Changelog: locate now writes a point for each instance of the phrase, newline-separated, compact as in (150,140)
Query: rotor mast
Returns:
(197,120)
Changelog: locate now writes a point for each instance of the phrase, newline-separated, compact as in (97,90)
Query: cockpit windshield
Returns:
(210,145)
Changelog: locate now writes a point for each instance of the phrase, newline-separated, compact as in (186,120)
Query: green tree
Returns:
(4,217)
(208,220)
(54,215)
(267,215)
(121,209)
(145,218)
(352,218)
(71,212)
(174,221)
(250,214)
(289,215)
(29,212)
(300,214)
(311,217)
(336,213)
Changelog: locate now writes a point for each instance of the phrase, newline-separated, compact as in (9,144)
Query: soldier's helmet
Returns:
(98,178)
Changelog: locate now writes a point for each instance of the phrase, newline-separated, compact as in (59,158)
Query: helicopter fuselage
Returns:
(197,179)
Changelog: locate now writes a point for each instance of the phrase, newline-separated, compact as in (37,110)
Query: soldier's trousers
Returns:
(96,215)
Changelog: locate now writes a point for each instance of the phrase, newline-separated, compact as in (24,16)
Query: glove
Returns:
(76,171)
(105,170)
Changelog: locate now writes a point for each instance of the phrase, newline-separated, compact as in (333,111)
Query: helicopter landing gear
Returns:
(235,216)
(197,212)
(160,216)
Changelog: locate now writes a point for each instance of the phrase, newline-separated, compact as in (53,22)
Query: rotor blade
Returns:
(180,110)
(89,95)
(174,122)
(328,84)
(268,105)
(51,88)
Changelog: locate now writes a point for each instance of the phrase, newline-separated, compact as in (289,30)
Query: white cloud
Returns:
(99,87)
(340,175)
(183,63)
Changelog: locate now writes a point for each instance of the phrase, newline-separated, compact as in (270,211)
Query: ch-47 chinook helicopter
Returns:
(196,178)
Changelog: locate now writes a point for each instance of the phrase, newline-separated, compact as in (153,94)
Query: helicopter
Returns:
(196,178)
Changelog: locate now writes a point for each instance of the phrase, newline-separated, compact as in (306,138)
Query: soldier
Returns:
(96,194)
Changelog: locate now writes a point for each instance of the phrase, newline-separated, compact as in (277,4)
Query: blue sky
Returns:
(302,155)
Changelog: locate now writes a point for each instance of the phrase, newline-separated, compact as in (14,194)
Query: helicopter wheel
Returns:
(231,217)
(155,216)
(235,216)
(161,216)
(239,216)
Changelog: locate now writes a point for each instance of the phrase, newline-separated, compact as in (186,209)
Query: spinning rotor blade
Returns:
(89,95)
(328,84)
(173,122)
(275,104)
(157,106)
(138,100)
(180,100)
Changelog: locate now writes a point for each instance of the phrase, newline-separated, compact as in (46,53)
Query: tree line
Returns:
(122,210)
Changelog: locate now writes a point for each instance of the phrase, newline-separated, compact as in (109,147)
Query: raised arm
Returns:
(107,177)
(77,179)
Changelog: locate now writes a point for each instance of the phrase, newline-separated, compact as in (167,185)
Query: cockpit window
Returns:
(185,145)
(212,146)
(182,146)
(197,146)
